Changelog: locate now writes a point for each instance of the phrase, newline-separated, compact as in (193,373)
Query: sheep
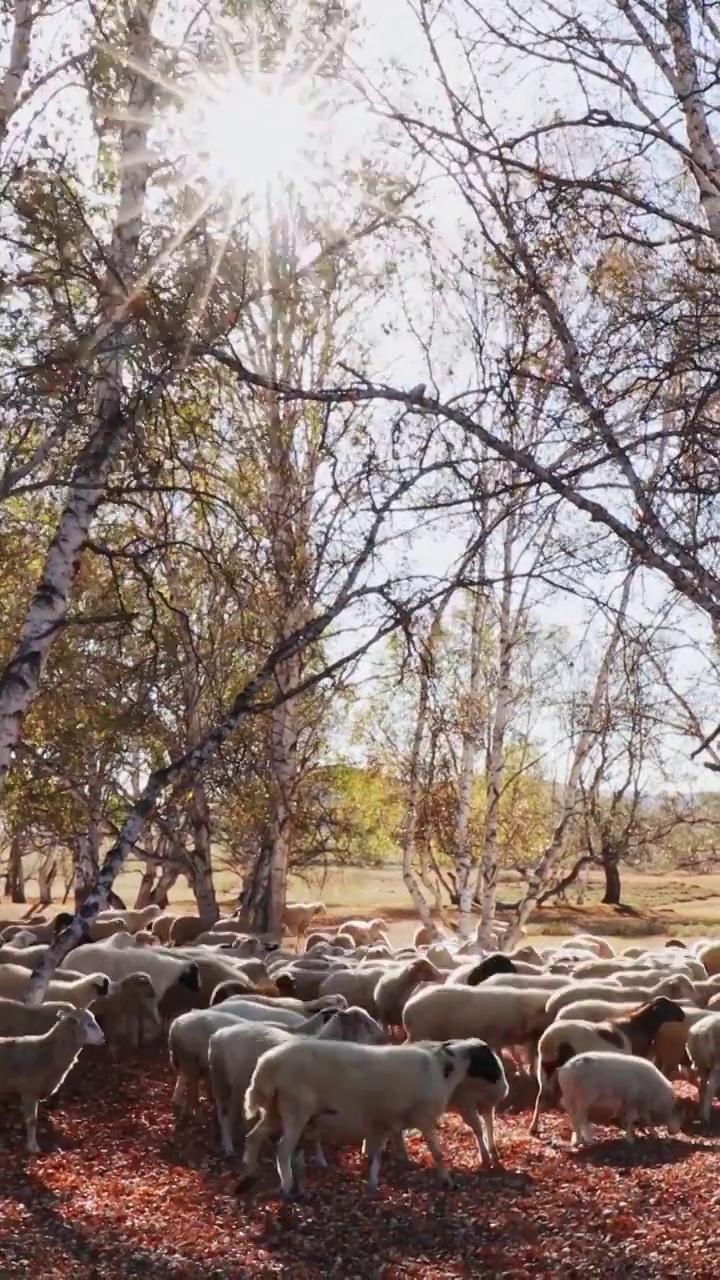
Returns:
(34,1066)
(162,924)
(316,940)
(188,1041)
(185,929)
(298,916)
(97,930)
(425,934)
(634,1032)
(600,946)
(18,1019)
(475,1100)
(637,977)
(623,1085)
(365,931)
(163,968)
(129,1014)
(305,984)
(79,991)
(703,1046)
(343,942)
(670,1052)
(709,956)
(234,1053)
(214,968)
(30,957)
(303,1007)
(527,981)
(253,1012)
(504,1017)
(352,1092)
(134,919)
(358,987)
(393,990)
(676,988)
(594,1010)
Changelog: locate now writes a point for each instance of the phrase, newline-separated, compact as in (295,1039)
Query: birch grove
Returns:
(327,458)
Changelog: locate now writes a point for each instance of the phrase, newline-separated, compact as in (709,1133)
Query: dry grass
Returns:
(653,905)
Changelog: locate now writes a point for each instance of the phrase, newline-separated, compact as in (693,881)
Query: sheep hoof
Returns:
(290,1195)
(244,1183)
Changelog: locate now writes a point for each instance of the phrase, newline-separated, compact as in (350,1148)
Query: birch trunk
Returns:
(18,63)
(540,875)
(409,842)
(495,770)
(470,736)
(147,882)
(86,860)
(47,610)
(47,872)
(201,856)
(15,876)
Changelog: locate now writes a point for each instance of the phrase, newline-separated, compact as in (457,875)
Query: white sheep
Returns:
(117,959)
(677,988)
(34,1066)
(703,1045)
(394,989)
(348,1093)
(622,1086)
(502,1016)
(626,1032)
(233,1054)
(77,989)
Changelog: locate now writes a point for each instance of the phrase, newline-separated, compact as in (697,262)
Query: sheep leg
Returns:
(489,1119)
(30,1112)
(400,1151)
(436,1151)
(292,1133)
(472,1119)
(224,1116)
(320,1160)
(253,1146)
(711,1079)
(630,1126)
(374,1147)
(534,1126)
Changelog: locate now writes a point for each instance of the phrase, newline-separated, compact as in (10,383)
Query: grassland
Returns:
(653,905)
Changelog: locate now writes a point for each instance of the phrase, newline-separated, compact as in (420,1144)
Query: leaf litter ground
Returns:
(119,1191)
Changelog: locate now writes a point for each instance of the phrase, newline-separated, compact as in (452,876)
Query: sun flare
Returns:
(261,142)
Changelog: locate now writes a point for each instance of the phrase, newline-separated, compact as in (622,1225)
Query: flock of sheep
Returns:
(344,1040)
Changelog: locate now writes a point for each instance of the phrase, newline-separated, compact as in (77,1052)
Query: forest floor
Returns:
(118,1191)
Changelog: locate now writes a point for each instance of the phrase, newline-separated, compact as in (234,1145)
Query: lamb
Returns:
(298,916)
(502,1016)
(78,990)
(623,1085)
(234,1053)
(394,989)
(635,1032)
(129,1015)
(703,1044)
(34,1066)
(352,1093)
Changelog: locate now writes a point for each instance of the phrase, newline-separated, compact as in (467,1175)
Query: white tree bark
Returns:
(412,803)
(495,769)
(48,607)
(471,731)
(18,63)
(540,876)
